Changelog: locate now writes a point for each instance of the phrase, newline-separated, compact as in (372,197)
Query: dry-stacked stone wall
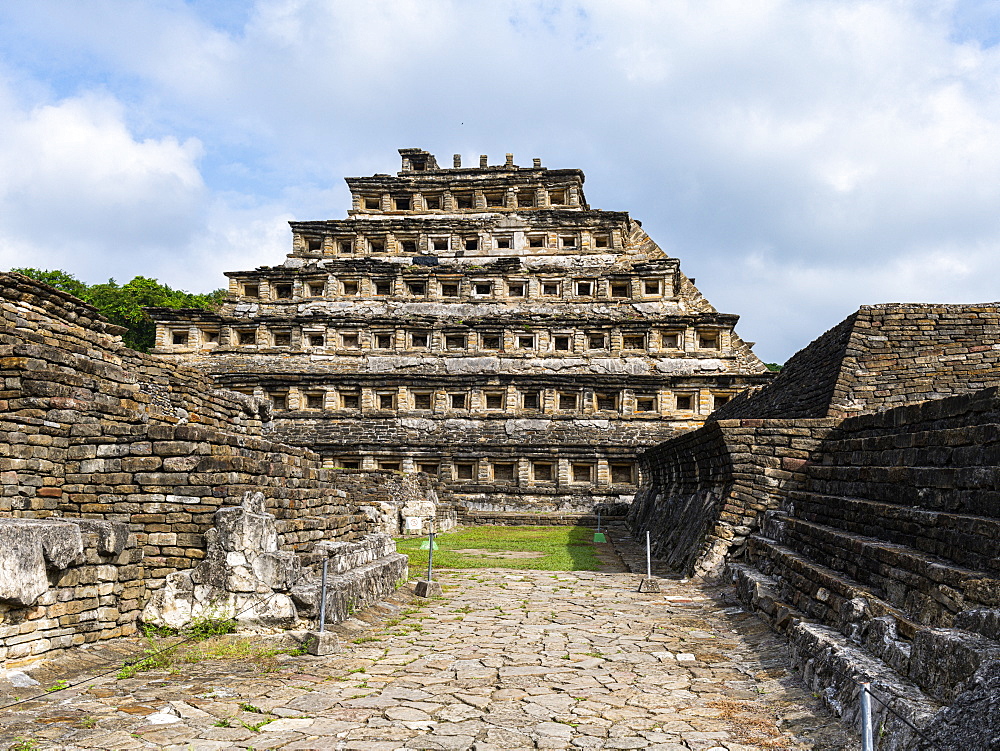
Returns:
(92,430)
(880,357)
(708,489)
(65,583)
(870,540)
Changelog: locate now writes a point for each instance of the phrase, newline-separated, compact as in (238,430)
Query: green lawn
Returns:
(540,548)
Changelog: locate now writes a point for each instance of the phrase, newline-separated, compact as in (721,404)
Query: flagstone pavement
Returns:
(503,660)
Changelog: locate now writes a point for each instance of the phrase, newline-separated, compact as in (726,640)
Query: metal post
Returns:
(598,521)
(867,740)
(430,558)
(322,598)
(649,563)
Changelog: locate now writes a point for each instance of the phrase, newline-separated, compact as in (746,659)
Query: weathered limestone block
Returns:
(972,720)
(357,587)
(944,660)
(985,621)
(112,537)
(27,548)
(243,575)
(246,527)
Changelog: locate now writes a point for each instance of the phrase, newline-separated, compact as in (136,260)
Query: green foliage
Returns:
(123,304)
(255,727)
(207,627)
(773,367)
(23,744)
(155,659)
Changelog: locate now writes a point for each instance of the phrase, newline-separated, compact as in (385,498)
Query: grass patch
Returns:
(562,549)
(168,653)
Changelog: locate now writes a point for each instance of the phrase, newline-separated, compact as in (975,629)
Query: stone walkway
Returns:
(505,660)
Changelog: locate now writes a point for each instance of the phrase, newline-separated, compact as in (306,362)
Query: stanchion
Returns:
(599,535)
(322,597)
(322,642)
(649,584)
(867,736)
(429,588)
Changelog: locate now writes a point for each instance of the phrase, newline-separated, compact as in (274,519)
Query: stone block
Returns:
(428,589)
(321,643)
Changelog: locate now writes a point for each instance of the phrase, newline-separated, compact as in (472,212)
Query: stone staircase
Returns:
(885,568)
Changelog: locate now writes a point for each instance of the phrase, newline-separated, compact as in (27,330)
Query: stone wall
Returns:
(706,491)
(883,356)
(869,539)
(808,384)
(64,583)
(90,429)
(609,515)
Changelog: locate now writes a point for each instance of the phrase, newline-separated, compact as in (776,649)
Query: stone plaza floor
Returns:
(503,660)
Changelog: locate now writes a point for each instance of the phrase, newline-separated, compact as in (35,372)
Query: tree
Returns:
(123,305)
(58,279)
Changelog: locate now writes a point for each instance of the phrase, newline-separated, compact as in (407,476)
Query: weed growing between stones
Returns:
(208,626)
(255,727)
(208,639)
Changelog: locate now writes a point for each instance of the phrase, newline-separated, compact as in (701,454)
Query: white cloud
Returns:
(73,181)
(800,156)
(78,191)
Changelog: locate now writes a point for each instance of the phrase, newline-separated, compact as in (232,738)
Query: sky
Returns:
(800,157)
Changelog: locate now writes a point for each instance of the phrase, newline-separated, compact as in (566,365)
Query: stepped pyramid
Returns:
(483,325)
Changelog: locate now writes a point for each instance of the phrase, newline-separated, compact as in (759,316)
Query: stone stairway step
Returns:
(834,667)
(969,488)
(930,589)
(966,539)
(820,592)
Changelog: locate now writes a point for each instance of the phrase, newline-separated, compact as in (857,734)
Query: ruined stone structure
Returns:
(115,466)
(855,502)
(483,325)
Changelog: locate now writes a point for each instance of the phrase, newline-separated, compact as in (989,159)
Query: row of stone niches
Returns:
(592,342)
(505,471)
(500,400)
(511,198)
(436,287)
(378,241)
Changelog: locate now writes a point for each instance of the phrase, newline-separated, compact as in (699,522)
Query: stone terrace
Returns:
(854,503)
